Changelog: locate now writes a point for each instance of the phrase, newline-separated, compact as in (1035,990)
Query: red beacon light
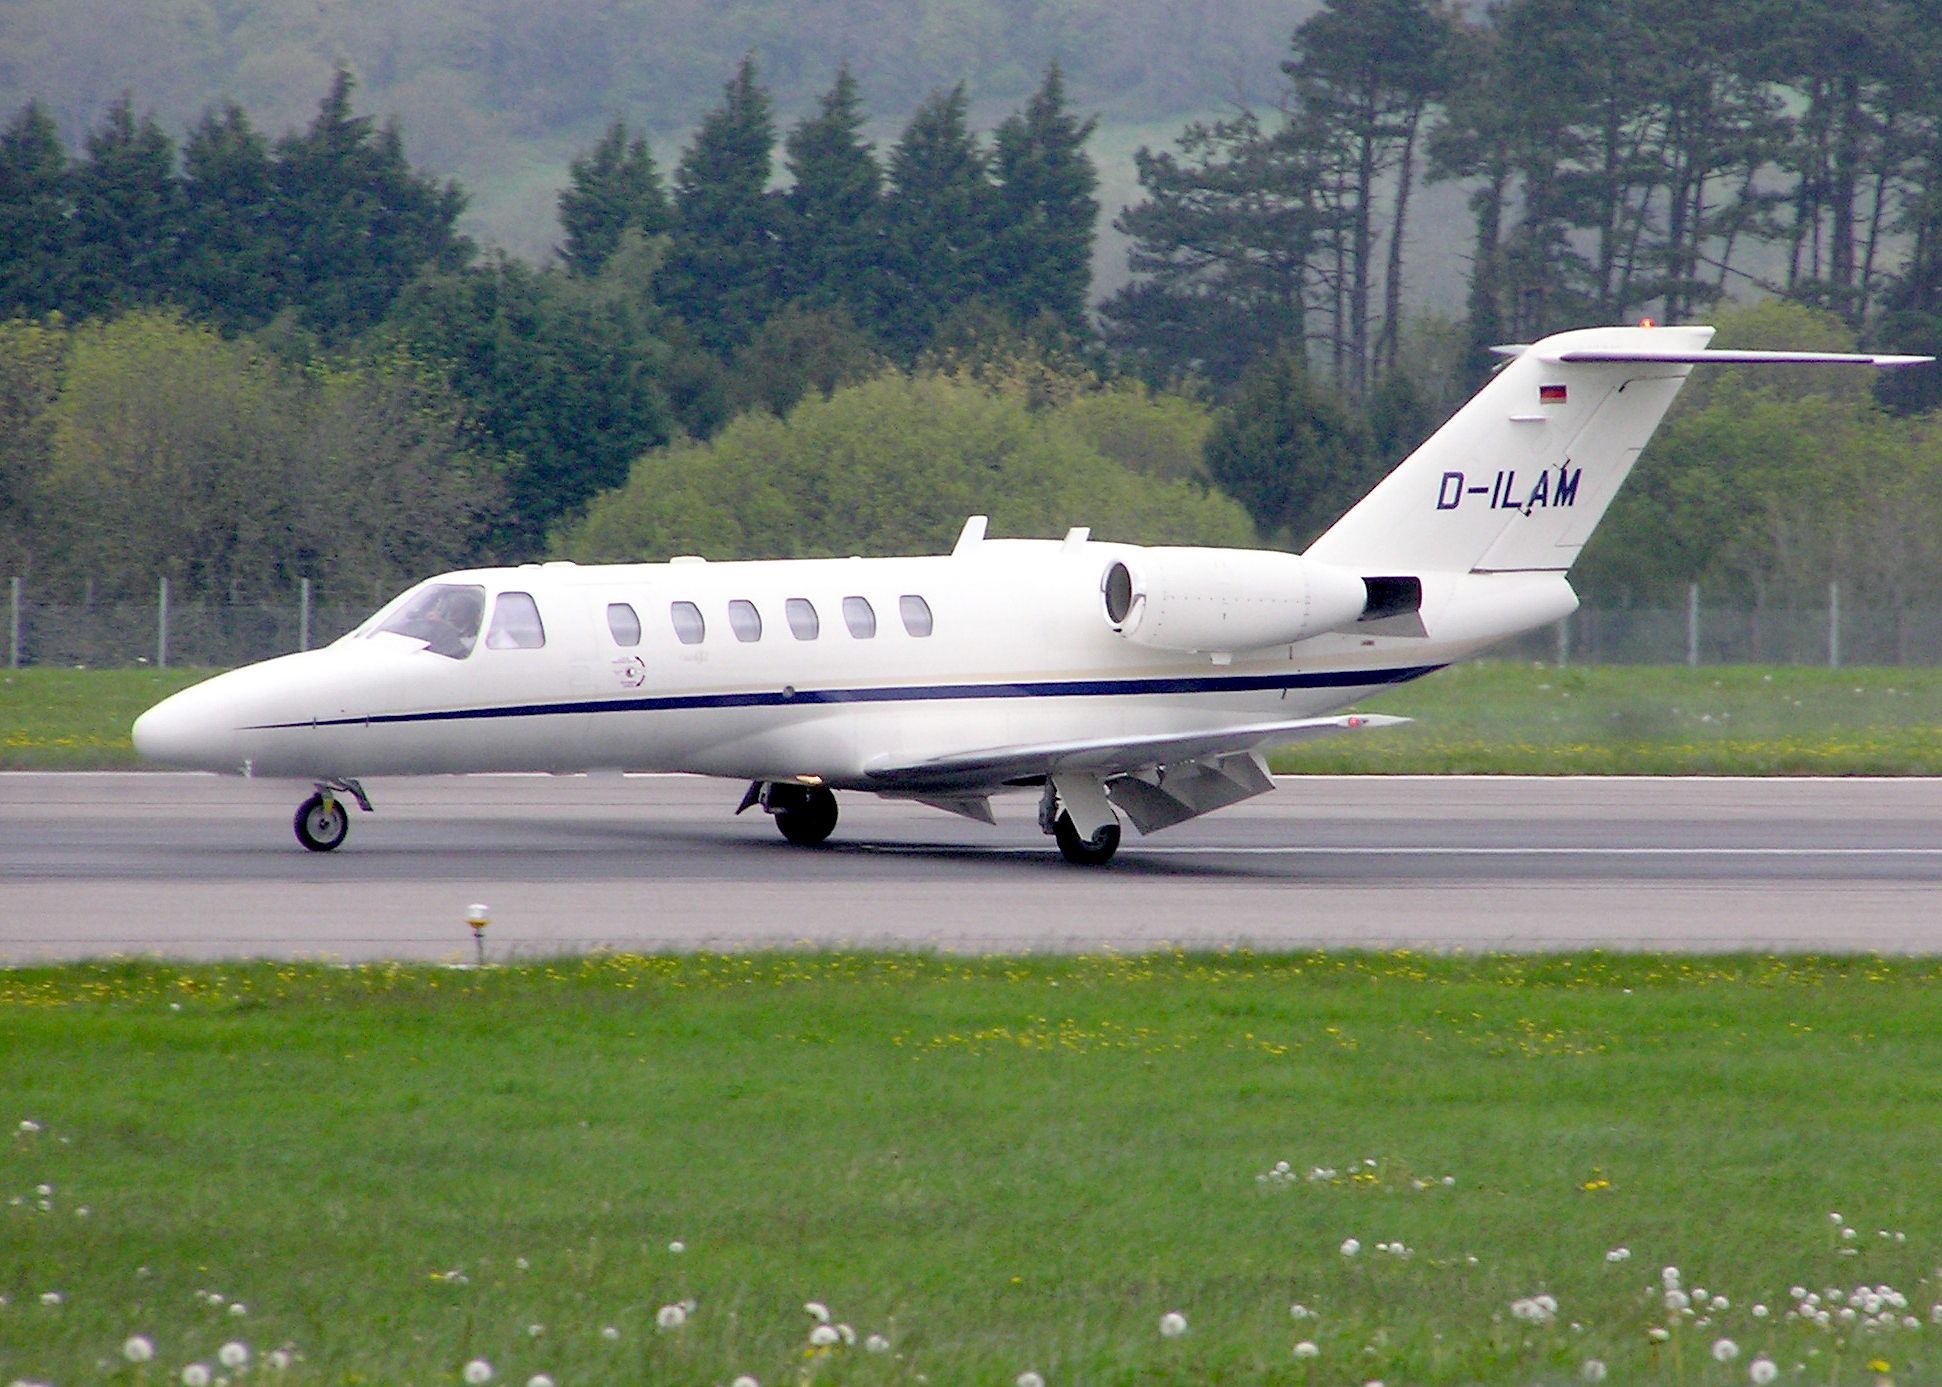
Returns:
(1647,322)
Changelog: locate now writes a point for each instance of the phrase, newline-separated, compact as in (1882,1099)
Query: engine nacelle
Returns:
(1215,600)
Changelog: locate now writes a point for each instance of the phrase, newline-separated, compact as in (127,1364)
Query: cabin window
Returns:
(689,628)
(744,620)
(916,613)
(445,616)
(803,621)
(625,625)
(515,624)
(860,617)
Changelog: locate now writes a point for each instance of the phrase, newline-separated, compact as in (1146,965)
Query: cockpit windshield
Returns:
(443,615)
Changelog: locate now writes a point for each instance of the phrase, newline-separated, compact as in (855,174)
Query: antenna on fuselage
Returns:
(971,536)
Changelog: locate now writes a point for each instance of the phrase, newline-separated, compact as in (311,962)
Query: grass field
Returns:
(999,1166)
(1486,717)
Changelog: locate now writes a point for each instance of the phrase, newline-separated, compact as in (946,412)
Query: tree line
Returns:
(1622,158)
(693,322)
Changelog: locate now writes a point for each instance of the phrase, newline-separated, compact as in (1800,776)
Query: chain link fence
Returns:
(215,635)
(165,630)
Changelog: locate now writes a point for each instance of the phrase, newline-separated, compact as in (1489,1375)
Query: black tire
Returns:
(1095,851)
(810,822)
(322,824)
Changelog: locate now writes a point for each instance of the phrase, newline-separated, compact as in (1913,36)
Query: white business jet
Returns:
(1116,681)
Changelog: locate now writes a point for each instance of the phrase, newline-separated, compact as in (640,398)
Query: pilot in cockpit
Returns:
(445,616)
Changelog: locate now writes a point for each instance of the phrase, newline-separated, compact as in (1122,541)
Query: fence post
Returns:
(162,626)
(303,616)
(13,626)
(1692,625)
(1834,625)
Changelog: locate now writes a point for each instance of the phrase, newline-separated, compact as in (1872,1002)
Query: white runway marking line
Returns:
(1322,850)
(1554,851)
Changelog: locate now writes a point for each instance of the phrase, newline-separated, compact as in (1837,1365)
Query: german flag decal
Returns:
(1550,394)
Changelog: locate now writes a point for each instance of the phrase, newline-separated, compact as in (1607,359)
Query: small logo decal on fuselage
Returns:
(1553,488)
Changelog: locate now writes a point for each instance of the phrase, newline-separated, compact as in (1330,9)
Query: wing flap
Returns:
(992,767)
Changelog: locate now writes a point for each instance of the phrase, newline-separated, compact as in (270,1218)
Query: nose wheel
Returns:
(322,823)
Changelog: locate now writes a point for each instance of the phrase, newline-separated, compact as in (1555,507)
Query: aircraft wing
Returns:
(1105,757)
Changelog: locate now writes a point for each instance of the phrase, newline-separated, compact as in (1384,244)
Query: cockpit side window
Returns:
(515,624)
(443,615)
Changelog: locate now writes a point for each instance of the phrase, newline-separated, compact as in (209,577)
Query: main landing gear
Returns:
(1095,851)
(322,823)
(1077,813)
(806,814)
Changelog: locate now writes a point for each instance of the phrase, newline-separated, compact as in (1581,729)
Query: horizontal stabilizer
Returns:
(1728,357)
(951,776)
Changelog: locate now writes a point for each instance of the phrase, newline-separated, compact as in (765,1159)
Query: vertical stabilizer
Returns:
(1520,476)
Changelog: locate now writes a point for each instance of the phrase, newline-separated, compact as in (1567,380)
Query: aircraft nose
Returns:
(185,729)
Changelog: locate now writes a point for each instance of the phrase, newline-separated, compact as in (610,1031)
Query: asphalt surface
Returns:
(198,866)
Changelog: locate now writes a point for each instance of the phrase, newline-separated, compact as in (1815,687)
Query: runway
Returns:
(196,866)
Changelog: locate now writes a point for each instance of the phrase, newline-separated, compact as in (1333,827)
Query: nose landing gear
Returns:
(322,823)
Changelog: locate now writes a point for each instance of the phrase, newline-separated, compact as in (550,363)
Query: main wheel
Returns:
(322,823)
(811,821)
(1095,851)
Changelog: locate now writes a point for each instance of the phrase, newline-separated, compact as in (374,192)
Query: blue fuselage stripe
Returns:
(922,693)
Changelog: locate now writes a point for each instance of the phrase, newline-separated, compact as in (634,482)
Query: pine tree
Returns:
(358,222)
(1046,209)
(233,254)
(725,264)
(1222,252)
(126,231)
(33,215)
(939,215)
(834,229)
(613,188)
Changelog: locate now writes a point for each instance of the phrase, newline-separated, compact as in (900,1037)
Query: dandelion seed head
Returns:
(1172,1324)
(1300,1312)
(745,1381)
(1593,1370)
(1658,1335)
(1762,1371)
(1725,1350)
(671,1316)
(610,1333)
(1351,1246)
(677,1246)
(1307,1349)
(1759,1312)
(477,1372)
(1028,1378)
(51,1298)
(1619,1254)
(277,1358)
(138,1348)
(846,1334)
(816,1310)
(876,1343)
(233,1354)
(822,1336)
(195,1375)
(539,1380)
(238,1310)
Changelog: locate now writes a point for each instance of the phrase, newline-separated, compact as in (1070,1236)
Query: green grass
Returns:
(998,1164)
(78,719)
(1499,718)
(1482,717)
